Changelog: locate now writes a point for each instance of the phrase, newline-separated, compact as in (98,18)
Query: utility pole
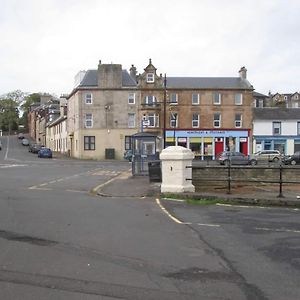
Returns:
(165,110)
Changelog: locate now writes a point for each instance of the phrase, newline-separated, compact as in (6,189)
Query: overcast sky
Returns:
(44,43)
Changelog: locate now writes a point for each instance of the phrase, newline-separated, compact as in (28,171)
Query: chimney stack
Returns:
(243,73)
(133,72)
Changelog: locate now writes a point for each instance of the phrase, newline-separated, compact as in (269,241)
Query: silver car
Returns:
(268,155)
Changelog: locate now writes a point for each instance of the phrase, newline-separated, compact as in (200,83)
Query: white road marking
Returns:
(11,166)
(277,230)
(208,225)
(167,213)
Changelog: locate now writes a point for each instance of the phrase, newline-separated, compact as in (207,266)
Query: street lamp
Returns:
(165,109)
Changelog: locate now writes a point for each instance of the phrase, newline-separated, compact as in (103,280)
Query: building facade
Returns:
(207,115)
(102,113)
(276,129)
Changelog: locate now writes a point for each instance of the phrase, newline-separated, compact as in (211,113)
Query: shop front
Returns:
(206,144)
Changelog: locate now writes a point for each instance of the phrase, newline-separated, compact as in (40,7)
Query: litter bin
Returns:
(154,171)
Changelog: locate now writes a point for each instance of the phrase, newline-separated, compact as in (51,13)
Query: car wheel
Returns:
(253,162)
(293,162)
(275,159)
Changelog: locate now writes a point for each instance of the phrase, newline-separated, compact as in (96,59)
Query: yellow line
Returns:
(167,213)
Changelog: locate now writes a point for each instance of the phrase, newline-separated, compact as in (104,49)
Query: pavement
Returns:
(126,185)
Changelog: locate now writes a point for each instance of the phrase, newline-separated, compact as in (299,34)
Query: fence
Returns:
(241,179)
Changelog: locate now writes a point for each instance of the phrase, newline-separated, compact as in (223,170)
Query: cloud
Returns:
(45,43)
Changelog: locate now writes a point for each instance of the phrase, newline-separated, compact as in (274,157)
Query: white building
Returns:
(276,129)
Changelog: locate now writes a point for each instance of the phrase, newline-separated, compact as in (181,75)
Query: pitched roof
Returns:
(276,113)
(208,83)
(90,79)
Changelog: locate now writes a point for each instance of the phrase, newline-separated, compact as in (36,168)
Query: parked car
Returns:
(21,136)
(235,158)
(35,148)
(45,153)
(268,155)
(292,159)
(25,142)
(128,155)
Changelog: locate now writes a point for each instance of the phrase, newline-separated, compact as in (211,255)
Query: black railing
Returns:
(230,178)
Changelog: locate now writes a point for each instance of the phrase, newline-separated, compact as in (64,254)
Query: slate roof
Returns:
(90,79)
(208,83)
(256,94)
(276,113)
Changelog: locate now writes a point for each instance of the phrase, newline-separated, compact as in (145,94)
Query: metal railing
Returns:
(230,178)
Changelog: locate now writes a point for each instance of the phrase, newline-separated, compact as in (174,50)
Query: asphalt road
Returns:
(60,241)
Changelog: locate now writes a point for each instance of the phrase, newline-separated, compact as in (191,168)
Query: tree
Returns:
(9,110)
(25,107)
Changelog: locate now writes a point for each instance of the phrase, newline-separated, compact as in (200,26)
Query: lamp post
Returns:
(165,110)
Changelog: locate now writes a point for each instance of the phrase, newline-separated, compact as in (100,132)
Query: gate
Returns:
(144,149)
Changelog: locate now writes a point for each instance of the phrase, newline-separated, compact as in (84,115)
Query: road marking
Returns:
(11,166)
(277,230)
(208,225)
(172,199)
(167,213)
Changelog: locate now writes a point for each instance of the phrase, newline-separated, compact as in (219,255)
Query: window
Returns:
(217,120)
(127,142)
(89,120)
(195,99)
(89,143)
(238,99)
(298,128)
(131,98)
(150,77)
(276,128)
(173,99)
(195,121)
(217,98)
(88,98)
(238,121)
(131,120)
(173,120)
(150,100)
(153,120)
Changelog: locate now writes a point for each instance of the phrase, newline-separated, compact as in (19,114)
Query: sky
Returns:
(45,43)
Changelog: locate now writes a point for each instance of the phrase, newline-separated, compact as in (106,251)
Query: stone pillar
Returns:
(174,160)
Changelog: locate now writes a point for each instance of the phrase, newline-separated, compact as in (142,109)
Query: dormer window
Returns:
(150,77)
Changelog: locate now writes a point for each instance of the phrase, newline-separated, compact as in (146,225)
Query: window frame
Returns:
(153,100)
(274,127)
(86,98)
(88,119)
(89,145)
(238,120)
(298,128)
(197,102)
(219,98)
(133,120)
(131,98)
(172,120)
(217,120)
(150,78)
(197,121)
(176,99)
(240,100)
(153,119)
